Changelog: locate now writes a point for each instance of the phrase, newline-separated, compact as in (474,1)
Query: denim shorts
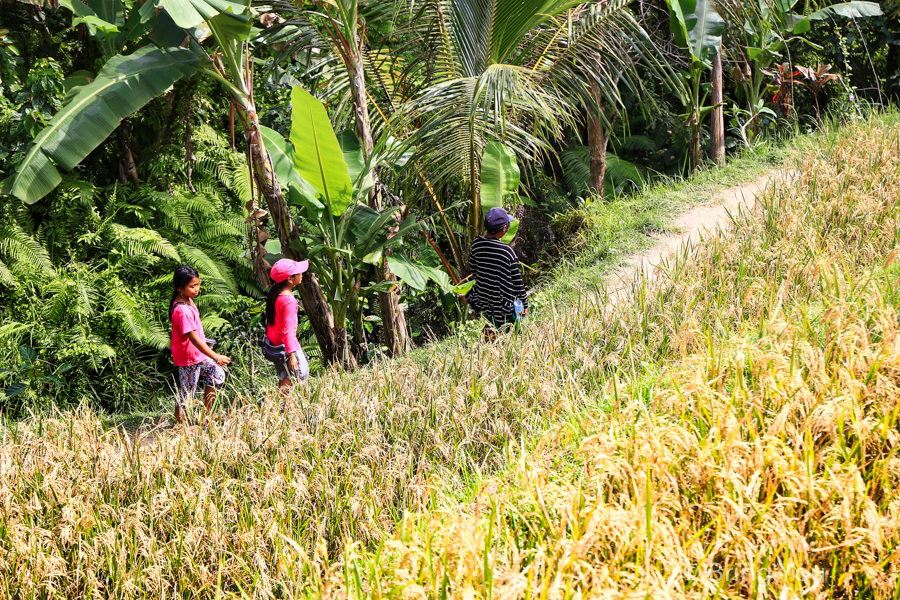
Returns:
(189,376)
(284,372)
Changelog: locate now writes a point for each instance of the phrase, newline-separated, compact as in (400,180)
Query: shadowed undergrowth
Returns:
(738,417)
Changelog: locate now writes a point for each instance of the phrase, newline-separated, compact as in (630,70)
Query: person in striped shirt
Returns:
(498,280)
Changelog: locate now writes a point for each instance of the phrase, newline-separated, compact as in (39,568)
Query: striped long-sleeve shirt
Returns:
(498,281)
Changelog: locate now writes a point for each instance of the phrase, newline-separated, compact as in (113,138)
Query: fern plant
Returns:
(85,274)
(22,256)
(621,175)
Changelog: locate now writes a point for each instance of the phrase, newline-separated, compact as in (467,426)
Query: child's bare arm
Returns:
(202,346)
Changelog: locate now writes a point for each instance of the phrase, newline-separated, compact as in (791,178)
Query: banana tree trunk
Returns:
(393,320)
(127,165)
(717,124)
(314,302)
(695,153)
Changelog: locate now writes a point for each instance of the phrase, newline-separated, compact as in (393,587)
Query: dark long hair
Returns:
(271,297)
(180,278)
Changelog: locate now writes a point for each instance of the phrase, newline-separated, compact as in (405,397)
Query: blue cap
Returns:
(497,218)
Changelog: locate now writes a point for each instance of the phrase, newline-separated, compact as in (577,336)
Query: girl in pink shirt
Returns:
(189,344)
(281,346)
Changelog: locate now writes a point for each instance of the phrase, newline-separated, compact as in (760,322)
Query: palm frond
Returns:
(26,256)
(577,171)
(247,279)
(130,310)
(197,204)
(60,300)
(6,276)
(599,47)
(207,266)
(239,182)
(175,214)
(83,193)
(72,297)
(132,241)
(635,143)
(100,349)
(218,231)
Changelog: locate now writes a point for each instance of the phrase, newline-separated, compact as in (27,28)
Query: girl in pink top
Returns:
(281,345)
(189,344)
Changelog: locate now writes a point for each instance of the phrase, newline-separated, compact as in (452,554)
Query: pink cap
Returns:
(286,267)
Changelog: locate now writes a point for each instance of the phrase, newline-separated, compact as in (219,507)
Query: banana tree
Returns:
(187,38)
(345,240)
(697,28)
(760,33)
(338,28)
(112,25)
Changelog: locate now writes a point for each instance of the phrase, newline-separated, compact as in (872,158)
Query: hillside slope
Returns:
(737,415)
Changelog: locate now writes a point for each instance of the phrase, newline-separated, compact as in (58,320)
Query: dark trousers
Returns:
(499,323)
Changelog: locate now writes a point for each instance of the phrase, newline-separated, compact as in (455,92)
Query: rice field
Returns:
(731,432)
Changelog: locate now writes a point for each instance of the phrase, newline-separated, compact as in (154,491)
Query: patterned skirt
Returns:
(190,376)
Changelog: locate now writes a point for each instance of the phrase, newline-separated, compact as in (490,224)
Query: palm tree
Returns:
(515,71)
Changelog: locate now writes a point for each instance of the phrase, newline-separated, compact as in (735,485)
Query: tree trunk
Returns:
(598,138)
(361,104)
(717,125)
(127,166)
(314,302)
(396,337)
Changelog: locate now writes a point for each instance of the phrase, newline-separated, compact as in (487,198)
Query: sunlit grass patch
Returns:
(759,462)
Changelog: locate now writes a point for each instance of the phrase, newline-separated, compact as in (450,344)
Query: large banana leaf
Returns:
(854,10)
(166,33)
(318,155)
(499,175)
(282,155)
(111,11)
(353,154)
(360,171)
(125,84)
(231,29)
(697,27)
(417,275)
(176,20)
(191,13)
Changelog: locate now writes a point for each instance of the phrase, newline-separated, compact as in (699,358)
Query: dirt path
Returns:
(693,225)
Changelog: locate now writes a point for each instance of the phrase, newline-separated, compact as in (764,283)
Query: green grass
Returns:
(614,229)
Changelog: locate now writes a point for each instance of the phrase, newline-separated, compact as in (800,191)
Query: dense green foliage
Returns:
(85,265)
